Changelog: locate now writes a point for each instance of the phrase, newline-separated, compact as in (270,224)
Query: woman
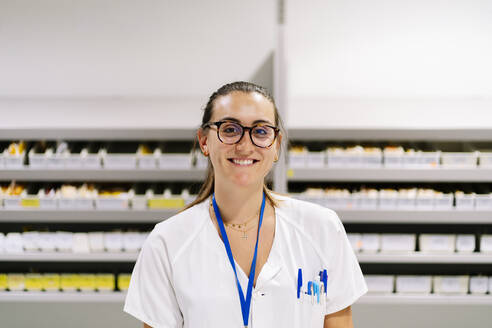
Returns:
(241,255)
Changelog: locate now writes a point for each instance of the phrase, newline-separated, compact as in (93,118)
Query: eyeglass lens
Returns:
(262,136)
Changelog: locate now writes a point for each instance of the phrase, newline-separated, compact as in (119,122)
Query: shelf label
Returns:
(166,203)
(30,202)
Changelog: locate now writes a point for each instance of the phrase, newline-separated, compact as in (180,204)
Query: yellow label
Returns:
(105,281)
(166,203)
(87,281)
(51,282)
(33,282)
(15,281)
(30,202)
(3,281)
(290,173)
(123,281)
(69,281)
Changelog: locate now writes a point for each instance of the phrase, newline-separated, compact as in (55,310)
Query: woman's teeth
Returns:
(242,161)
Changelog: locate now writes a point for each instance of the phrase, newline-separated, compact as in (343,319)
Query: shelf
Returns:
(416,257)
(86,216)
(28,174)
(415,216)
(434,134)
(432,299)
(390,174)
(68,257)
(62,297)
(97,134)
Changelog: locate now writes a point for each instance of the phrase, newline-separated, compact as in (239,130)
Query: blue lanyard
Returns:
(245,303)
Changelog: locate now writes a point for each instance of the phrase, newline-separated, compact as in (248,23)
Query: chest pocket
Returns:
(311,314)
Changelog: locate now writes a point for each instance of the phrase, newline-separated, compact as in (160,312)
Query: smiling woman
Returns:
(237,255)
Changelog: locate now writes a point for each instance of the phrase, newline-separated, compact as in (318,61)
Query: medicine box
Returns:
(444,201)
(483,202)
(12,161)
(175,161)
(398,242)
(297,160)
(437,243)
(380,283)
(113,242)
(486,244)
(370,242)
(459,159)
(465,201)
(429,159)
(413,284)
(316,159)
(451,284)
(485,159)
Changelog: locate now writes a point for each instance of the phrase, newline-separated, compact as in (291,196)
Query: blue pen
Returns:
(324,279)
(299,283)
(310,286)
(316,286)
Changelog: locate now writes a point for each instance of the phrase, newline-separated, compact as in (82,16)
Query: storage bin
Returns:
(443,201)
(147,161)
(486,244)
(119,161)
(337,158)
(459,160)
(175,161)
(139,202)
(65,203)
(370,242)
(398,243)
(297,160)
(12,161)
(483,202)
(429,159)
(411,159)
(111,203)
(388,199)
(46,241)
(380,284)
(392,159)
(407,199)
(451,284)
(464,201)
(12,202)
(113,241)
(437,243)
(365,201)
(410,284)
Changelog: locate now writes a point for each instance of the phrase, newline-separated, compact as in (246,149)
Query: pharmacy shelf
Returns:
(430,299)
(63,297)
(391,174)
(68,257)
(28,174)
(344,134)
(97,134)
(86,216)
(417,257)
(415,216)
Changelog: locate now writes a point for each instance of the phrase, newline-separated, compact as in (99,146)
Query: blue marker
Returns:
(316,288)
(299,283)
(324,279)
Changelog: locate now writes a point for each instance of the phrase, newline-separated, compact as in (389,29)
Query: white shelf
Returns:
(390,174)
(431,299)
(414,134)
(415,216)
(93,216)
(62,297)
(28,174)
(417,257)
(68,257)
(97,134)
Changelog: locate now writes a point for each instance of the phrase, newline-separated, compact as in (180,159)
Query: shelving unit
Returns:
(62,297)
(68,257)
(417,257)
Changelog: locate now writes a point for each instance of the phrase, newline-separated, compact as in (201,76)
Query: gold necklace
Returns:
(239,226)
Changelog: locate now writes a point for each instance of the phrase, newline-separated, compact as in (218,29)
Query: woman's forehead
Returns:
(245,107)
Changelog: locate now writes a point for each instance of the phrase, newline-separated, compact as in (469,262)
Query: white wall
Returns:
(175,52)
(411,54)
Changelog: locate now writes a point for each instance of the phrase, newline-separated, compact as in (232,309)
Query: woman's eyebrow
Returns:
(238,121)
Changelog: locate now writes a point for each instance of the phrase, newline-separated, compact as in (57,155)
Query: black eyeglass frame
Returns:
(219,123)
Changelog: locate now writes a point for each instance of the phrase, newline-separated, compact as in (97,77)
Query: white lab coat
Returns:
(183,277)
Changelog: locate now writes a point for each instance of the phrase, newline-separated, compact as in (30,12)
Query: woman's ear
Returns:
(202,140)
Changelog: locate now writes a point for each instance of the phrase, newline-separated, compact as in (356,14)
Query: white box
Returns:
(175,161)
(96,242)
(451,284)
(437,243)
(80,242)
(380,283)
(47,242)
(413,284)
(411,159)
(362,201)
(316,159)
(297,160)
(119,161)
(485,159)
(398,242)
(388,201)
(131,241)
(13,161)
(486,244)
(443,201)
(371,242)
(355,240)
(459,159)
(337,158)
(30,241)
(465,201)
(64,241)
(479,285)
(113,241)
(111,203)
(465,243)
(483,202)
(429,159)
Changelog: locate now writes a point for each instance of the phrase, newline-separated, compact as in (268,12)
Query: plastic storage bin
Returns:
(175,161)
(398,243)
(380,284)
(485,159)
(409,284)
(437,243)
(451,284)
(460,160)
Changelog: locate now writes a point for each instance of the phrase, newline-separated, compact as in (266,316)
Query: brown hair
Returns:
(247,87)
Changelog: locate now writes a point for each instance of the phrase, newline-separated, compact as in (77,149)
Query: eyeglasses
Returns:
(230,133)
